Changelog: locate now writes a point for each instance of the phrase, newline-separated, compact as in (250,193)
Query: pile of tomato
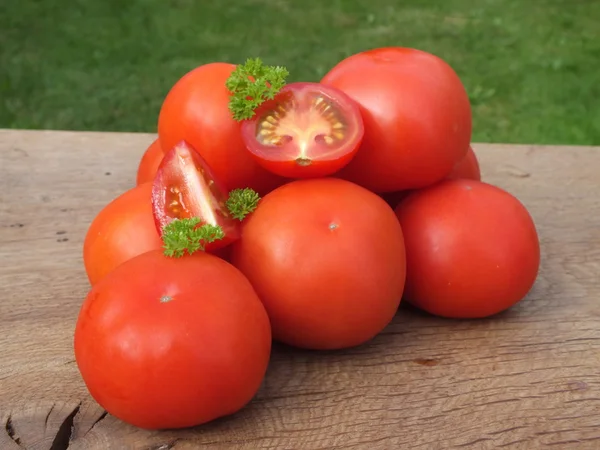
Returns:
(301,213)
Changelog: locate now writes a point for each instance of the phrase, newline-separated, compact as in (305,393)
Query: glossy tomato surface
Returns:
(196,111)
(416,114)
(149,163)
(172,342)
(308,130)
(122,229)
(326,257)
(185,187)
(472,249)
(466,168)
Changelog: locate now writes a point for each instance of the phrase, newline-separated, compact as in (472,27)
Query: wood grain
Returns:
(526,379)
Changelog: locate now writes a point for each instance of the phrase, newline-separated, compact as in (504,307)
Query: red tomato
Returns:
(186,187)
(326,257)
(308,130)
(149,163)
(172,342)
(468,167)
(196,111)
(123,229)
(472,249)
(416,114)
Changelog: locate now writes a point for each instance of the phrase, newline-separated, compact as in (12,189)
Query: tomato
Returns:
(307,130)
(326,257)
(122,229)
(149,163)
(172,342)
(416,115)
(468,167)
(186,187)
(472,249)
(196,111)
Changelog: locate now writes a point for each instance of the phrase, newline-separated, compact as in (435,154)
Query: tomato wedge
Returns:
(185,187)
(308,130)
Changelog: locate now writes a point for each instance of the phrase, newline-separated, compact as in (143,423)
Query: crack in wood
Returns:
(102,416)
(48,415)
(62,440)
(11,431)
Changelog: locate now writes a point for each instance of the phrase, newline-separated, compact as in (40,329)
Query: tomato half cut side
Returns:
(308,130)
(185,187)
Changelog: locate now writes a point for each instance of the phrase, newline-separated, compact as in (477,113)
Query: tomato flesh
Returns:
(308,130)
(185,187)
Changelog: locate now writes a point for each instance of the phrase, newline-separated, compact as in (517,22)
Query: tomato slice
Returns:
(185,187)
(308,130)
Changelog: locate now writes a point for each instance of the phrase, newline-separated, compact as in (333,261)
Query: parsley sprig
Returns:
(187,236)
(183,236)
(252,84)
(242,202)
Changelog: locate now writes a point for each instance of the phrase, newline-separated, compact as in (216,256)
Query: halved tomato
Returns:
(308,130)
(185,187)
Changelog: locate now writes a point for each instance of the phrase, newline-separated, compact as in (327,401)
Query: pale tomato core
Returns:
(301,119)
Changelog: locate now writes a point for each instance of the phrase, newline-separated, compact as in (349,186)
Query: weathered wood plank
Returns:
(528,378)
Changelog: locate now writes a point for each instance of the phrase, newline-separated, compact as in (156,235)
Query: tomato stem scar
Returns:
(303,161)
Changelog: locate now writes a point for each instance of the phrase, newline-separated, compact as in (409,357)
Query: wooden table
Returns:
(527,379)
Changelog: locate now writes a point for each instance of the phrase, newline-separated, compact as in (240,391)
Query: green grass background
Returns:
(531,67)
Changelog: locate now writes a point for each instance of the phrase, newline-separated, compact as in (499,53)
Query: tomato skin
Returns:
(310,110)
(185,187)
(472,249)
(416,114)
(160,363)
(149,163)
(196,110)
(468,168)
(327,259)
(124,228)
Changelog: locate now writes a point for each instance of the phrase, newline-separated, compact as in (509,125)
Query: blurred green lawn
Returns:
(531,67)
